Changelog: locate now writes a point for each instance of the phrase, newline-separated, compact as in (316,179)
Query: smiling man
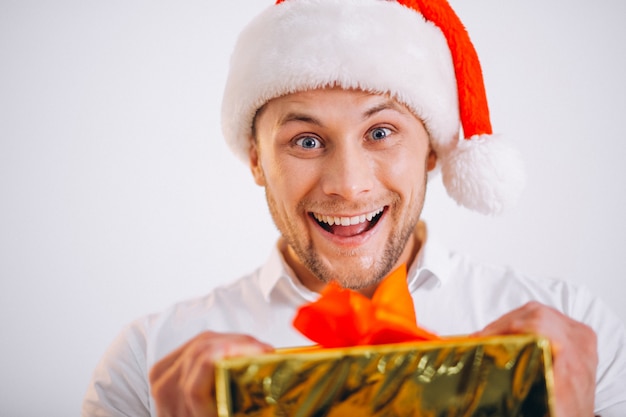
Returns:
(345,176)
(342,108)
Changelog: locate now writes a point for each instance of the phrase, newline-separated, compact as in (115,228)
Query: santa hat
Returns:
(415,50)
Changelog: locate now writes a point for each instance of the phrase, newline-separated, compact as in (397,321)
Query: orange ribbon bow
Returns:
(342,317)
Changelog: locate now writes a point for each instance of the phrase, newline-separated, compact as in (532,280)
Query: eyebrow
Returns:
(298,117)
(388,104)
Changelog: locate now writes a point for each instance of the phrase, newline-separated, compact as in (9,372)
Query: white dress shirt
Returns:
(452,294)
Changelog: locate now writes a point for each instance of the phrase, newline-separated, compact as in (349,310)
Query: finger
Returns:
(574,352)
(206,337)
(199,388)
(198,370)
(532,317)
(168,361)
(169,377)
(164,388)
(182,383)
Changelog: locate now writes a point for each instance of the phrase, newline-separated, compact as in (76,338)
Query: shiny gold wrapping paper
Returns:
(497,376)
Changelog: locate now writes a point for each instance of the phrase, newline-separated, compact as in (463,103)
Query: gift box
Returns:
(494,376)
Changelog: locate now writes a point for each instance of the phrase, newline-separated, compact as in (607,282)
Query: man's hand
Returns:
(574,353)
(183,383)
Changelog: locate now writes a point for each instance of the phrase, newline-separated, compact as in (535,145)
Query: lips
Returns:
(347,226)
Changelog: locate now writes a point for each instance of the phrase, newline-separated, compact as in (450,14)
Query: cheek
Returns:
(407,171)
(405,174)
(289,178)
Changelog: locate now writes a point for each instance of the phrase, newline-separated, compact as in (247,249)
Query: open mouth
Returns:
(348,226)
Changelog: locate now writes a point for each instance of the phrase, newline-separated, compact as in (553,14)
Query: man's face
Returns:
(344,173)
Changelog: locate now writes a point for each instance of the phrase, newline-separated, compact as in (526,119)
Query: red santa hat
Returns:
(415,50)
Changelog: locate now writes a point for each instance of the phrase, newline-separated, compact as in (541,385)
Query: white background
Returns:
(118,196)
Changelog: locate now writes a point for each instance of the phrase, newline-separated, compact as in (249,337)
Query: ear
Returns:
(255,164)
(431,160)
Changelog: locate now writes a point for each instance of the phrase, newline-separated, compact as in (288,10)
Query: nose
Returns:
(349,171)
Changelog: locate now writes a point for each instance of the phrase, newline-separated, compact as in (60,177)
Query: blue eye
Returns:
(308,142)
(379,133)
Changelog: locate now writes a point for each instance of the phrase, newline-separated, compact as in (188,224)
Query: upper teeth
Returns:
(346,221)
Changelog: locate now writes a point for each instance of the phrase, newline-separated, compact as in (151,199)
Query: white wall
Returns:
(118,197)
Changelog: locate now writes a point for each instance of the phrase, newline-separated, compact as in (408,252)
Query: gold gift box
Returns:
(494,376)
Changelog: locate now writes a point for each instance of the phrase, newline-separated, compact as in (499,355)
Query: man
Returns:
(342,108)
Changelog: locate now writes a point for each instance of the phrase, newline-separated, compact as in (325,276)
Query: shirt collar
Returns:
(276,270)
(431,267)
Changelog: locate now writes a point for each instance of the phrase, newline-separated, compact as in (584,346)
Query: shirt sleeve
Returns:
(119,386)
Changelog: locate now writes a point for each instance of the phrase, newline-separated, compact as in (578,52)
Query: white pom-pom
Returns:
(484,174)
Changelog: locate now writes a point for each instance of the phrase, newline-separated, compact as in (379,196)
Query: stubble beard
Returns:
(363,276)
(354,278)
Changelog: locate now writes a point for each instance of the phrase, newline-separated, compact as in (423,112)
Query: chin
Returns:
(354,275)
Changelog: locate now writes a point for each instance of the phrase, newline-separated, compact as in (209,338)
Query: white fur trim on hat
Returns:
(372,45)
